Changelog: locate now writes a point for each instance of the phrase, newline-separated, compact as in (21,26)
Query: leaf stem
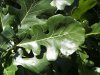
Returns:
(92,34)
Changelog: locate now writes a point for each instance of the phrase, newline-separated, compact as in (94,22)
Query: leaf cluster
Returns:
(38,39)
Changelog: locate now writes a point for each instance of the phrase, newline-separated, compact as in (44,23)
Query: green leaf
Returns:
(96,28)
(30,10)
(10,70)
(6,21)
(65,34)
(7,31)
(33,64)
(83,56)
(84,6)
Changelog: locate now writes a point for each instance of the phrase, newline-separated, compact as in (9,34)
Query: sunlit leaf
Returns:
(33,64)
(67,38)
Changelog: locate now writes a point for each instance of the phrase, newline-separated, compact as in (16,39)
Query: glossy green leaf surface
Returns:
(49,37)
(64,36)
(53,40)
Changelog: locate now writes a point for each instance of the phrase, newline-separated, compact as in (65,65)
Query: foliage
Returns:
(46,37)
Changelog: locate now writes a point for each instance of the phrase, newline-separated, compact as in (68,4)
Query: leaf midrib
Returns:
(47,38)
(27,12)
(30,9)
